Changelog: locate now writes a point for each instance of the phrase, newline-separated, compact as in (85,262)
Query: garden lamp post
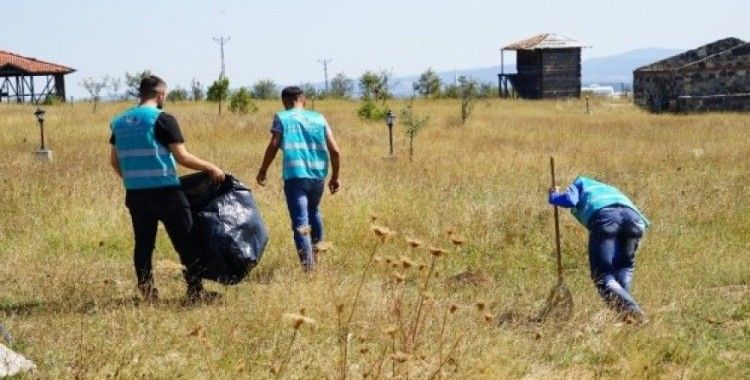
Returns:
(389,120)
(40,118)
(42,153)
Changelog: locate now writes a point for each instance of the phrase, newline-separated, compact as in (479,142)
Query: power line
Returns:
(222,41)
(325,63)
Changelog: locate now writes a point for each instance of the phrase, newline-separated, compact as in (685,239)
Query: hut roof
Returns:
(545,41)
(31,65)
(689,57)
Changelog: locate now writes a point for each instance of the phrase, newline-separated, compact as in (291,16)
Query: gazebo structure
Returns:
(548,66)
(25,79)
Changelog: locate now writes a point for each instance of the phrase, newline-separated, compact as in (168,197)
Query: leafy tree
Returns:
(468,89)
(265,89)
(218,92)
(241,102)
(428,84)
(94,88)
(376,86)
(196,89)
(413,124)
(341,87)
(178,94)
(133,82)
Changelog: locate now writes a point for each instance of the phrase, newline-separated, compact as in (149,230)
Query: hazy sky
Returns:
(283,40)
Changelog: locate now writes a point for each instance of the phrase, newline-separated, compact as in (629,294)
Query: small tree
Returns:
(133,83)
(428,84)
(218,92)
(374,87)
(114,84)
(468,90)
(265,89)
(196,89)
(94,88)
(341,87)
(178,94)
(241,102)
(413,124)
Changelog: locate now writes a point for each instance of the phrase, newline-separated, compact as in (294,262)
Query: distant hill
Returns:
(609,70)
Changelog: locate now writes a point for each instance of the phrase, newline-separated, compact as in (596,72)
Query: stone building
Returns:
(713,77)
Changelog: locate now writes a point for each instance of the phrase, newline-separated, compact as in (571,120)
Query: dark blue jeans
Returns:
(303,198)
(614,233)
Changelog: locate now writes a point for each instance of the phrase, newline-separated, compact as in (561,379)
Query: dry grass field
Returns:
(67,289)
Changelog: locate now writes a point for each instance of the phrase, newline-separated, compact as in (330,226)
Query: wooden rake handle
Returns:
(557,225)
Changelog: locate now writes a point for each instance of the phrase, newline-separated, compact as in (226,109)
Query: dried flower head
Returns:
(488,317)
(304,230)
(323,246)
(382,232)
(421,266)
(450,231)
(390,330)
(398,277)
(363,350)
(481,305)
(400,357)
(457,240)
(299,320)
(453,308)
(339,308)
(373,217)
(437,252)
(414,243)
(406,262)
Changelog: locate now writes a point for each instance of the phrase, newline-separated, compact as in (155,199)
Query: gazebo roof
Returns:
(545,41)
(30,65)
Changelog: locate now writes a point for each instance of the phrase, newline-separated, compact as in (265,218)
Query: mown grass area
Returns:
(68,292)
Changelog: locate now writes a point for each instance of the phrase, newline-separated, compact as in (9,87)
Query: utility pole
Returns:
(325,63)
(222,41)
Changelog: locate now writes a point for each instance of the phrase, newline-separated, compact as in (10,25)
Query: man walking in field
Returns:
(146,142)
(615,228)
(307,142)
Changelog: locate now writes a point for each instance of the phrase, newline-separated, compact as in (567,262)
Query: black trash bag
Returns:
(227,225)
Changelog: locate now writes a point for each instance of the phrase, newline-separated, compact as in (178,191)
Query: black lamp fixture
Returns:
(389,120)
(39,113)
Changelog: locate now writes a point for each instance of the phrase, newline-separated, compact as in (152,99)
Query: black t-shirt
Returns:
(167,130)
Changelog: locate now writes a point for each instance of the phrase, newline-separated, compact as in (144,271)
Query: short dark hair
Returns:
(291,93)
(149,85)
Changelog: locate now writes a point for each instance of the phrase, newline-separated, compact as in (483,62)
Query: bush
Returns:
(177,95)
(265,89)
(369,110)
(241,102)
(52,100)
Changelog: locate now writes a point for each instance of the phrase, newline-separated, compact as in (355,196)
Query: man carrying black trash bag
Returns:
(146,142)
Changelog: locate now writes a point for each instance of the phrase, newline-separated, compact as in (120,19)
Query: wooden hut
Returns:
(26,79)
(547,65)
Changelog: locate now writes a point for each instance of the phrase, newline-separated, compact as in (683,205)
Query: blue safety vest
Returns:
(145,163)
(303,140)
(594,196)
